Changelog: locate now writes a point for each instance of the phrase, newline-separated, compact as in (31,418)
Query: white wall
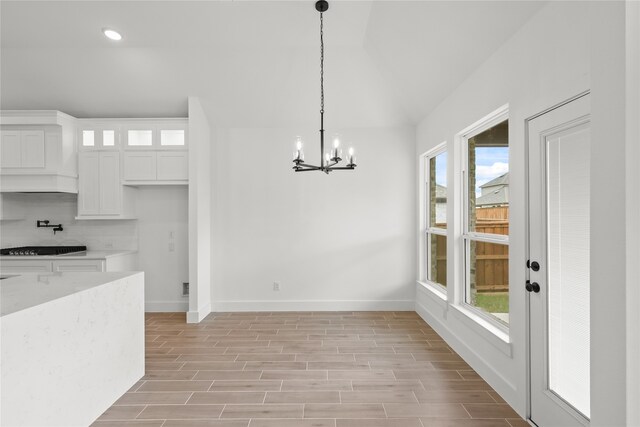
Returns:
(339,242)
(62,208)
(633,211)
(546,62)
(199,213)
(162,213)
(608,226)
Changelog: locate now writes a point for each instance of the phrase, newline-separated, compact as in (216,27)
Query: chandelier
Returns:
(328,160)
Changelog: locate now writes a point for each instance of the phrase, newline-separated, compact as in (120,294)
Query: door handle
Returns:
(532,287)
(533,265)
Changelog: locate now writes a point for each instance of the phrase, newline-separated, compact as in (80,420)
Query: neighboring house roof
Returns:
(441,192)
(501,180)
(498,197)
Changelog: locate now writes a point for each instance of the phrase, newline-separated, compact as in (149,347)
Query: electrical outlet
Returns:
(185,289)
(276,286)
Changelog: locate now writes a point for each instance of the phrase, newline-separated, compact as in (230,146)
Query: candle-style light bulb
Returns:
(298,154)
(336,142)
(351,157)
(327,157)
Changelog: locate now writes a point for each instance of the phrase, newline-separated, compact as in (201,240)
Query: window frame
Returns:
(426,230)
(463,289)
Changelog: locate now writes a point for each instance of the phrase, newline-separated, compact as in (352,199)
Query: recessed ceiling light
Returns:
(112,34)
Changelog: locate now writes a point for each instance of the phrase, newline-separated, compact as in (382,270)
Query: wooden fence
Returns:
(491,260)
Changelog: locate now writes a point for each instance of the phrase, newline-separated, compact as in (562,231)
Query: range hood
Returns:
(39,153)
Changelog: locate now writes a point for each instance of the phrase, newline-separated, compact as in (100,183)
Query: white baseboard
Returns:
(309,305)
(484,369)
(201,313)
(166,306)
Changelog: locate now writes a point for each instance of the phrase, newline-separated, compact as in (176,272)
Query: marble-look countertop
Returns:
(24,291)
(82,255)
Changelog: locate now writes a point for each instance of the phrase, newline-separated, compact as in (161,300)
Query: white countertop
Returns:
(28,290)
(83,255)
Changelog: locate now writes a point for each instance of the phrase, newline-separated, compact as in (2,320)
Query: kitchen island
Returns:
(70,345)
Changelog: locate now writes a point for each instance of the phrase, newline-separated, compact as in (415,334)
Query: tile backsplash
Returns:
(61,208)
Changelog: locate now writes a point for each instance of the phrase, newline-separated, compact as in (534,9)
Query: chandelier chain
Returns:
(321,65)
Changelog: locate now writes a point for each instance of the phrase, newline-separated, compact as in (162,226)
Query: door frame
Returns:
(528,241)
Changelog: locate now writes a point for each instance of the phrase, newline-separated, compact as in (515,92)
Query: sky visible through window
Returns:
(491,162)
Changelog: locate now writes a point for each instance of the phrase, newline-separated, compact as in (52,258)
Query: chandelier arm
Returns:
(342,168)
(306,165)
(306,169)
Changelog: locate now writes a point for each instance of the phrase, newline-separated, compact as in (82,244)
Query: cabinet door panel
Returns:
(78,265)
(110,187)
(26,266)
(139,166)
(173,166)
(10,149)
(89,184)
(32,147)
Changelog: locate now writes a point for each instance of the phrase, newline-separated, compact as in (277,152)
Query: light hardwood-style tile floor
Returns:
(304,369)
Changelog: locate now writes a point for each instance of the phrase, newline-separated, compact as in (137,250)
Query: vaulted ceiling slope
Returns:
(252,63)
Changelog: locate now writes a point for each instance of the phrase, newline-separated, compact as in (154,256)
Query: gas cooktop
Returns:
(42,250)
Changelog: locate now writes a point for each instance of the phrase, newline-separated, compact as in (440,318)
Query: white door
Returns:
(559,194)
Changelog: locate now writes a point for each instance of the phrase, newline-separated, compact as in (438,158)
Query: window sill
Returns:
(485,328)
(437,290)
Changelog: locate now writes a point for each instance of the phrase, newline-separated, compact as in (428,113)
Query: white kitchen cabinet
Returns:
(38,152)
(32,148)
(22,149)
(101,194)
(110,186)
(154,167)
(172,166)
(119,261)
(11,151)
(153,134)
(78,265)
(139,165)
(24,266)
(89,184)
(98,137)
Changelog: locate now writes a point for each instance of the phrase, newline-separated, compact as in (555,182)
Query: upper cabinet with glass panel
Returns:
(165,134)
(98,138)
(138,134)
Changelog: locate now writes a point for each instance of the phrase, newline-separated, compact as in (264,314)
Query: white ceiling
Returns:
(253,64)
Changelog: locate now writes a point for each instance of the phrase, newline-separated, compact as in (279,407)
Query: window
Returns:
(434,235)
(486,219)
